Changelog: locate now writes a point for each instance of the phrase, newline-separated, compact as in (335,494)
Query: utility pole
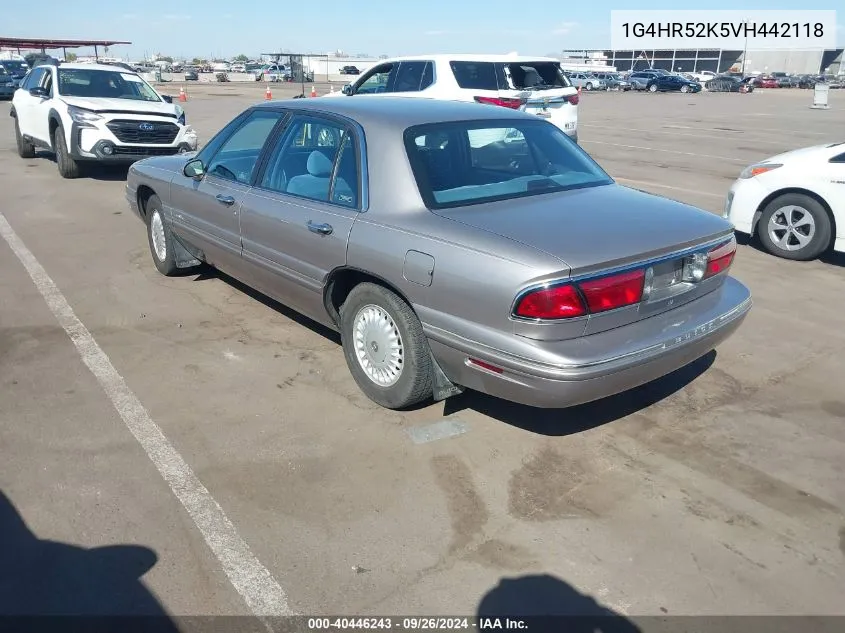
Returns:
(745,49)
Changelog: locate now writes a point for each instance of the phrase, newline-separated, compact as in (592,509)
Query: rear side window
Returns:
(533,74)
(478,75)
(469,162)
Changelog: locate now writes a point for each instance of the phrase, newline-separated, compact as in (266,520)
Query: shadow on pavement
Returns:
(47,578)
(549,604)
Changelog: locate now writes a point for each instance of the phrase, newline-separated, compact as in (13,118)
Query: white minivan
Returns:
(531,84)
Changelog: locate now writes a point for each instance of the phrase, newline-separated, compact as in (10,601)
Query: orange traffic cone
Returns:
(579,91)
(268,96)
(183,96)
(313,91)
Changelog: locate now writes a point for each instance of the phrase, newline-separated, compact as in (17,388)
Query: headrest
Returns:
(319,165)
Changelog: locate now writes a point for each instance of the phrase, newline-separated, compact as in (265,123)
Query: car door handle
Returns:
(322,229)
(227,200)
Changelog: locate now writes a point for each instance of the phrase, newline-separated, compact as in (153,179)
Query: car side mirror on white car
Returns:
(39,92)
(347,90)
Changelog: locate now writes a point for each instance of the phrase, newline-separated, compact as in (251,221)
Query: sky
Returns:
(221,28)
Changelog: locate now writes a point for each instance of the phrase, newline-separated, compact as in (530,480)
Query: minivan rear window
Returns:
(470,162)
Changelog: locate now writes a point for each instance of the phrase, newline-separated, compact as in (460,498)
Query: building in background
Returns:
(715,60)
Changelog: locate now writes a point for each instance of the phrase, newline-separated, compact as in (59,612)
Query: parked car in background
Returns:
(672,83)
(793,202)
(809,81)
(94,113)
(783,79)
(350,70)
(704,75)
(586,81)
(834,82)
(532,84)
(767,81)
(15,68)
(8,84)
(640,79)
(192,75)
(447,261)
(614,81)
(728,83)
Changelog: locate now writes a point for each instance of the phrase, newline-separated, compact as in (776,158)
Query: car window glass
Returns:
(314,157)
(218,139)
(34,78)
(409,76)
(47,82)
(460,163)
(475,75)
(428,76)
(239,153)
(377,81)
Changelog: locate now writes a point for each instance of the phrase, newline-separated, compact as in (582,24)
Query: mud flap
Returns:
(442,387)
(183,257)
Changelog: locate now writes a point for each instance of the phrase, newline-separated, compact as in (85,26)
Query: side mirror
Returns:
(347,90)
(194,169)
(167,98)
(39,92)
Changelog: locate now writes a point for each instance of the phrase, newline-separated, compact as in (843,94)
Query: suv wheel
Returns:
(68,167)
(25,148)
(589,86)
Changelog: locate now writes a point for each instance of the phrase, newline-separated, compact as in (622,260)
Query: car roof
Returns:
(469,57)
(401,112)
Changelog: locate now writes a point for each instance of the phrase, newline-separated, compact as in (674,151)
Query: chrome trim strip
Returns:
(463,344)
(561,281)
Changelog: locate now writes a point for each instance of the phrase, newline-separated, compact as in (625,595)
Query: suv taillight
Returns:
(573,99)
(514,104)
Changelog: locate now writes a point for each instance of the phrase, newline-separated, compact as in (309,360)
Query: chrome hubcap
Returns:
(157,233)
(378,345)
(791,228)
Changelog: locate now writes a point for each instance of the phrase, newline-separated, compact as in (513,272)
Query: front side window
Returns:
(461,163)
(238,154)
(376,81)
(315,159)
(104,84)
(409,77)
(33,80)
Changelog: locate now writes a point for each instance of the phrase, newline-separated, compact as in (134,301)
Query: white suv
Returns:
(96,113)
(532,84)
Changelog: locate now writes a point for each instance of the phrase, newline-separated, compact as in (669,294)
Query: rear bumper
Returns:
(582,374)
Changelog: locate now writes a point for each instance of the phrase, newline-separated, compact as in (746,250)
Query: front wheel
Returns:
(684,88)
(795,226)
(589,86)
(68,167)
(25,148)
(385,347)
(160,237)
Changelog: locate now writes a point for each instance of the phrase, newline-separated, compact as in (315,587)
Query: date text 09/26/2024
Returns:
(418,623)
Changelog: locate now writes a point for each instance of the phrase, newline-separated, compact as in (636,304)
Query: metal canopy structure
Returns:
(28,43)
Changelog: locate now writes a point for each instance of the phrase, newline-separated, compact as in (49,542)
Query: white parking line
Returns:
(786,133)
(674,133)
(684,189)
(668,151)
(262,594)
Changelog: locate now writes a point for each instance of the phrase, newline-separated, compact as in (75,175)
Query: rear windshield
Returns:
(470,162)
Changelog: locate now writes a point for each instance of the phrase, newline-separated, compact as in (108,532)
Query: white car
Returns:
(704,75)
(96,113)
(794,202)
(531,84)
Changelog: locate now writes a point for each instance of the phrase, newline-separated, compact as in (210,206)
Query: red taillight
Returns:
(557,302)
(573,99)
(719,259)
(615,291)
(514,104)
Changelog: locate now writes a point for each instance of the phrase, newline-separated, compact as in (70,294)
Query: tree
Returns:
(241,58)
(70,57)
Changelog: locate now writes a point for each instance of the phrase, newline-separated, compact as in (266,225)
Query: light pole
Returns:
(745,49)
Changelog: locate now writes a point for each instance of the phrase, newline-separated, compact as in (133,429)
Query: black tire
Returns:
(652,88)
(68,168)
(25,149)
(415,380)
(684,88)
(800,203)
(154,209)
(589,86)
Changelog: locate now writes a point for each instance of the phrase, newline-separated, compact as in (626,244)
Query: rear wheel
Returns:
(68,167)
(25,148)
(795,226)
(652,88)
(385,347)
